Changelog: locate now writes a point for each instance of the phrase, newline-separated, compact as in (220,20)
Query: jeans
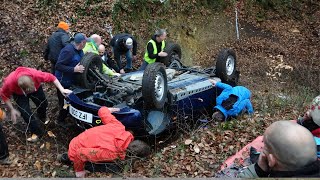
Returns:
(39,98)
(128,55)
(4,152)
(143,65)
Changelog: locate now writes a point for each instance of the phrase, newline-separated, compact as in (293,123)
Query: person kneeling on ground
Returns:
(24,84)
(311,119)
(289,151)
(104,143)
(231,102)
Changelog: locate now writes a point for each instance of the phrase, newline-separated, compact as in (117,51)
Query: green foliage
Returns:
(23,53)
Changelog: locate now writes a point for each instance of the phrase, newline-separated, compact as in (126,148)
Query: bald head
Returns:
(26,84)
(292,145)
(96,38)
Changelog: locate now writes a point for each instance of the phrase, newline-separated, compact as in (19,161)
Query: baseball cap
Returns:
(129,43)
(79,37)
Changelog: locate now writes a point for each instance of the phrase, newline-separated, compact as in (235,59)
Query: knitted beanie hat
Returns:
(315,110)
(63,25)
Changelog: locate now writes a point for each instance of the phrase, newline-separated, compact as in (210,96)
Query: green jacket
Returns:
(92,47)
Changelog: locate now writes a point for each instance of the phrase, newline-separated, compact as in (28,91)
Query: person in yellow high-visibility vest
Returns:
(154,48)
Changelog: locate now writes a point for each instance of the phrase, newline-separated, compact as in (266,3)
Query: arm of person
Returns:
(46,52)
(223,86)
(63,62)
(150,51)
(106,70)
(13,112)
(106,116)
(65,39)
(248,172)
(63,91)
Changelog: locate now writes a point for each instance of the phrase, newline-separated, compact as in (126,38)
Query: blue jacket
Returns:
(69,57)
(243,103)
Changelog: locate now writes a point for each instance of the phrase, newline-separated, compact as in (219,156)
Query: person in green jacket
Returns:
(155,48)
(93,46)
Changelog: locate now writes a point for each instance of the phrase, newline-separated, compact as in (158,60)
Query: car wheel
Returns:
(226,66)
(154,86)
(92,63)
(174,54)
(175,64)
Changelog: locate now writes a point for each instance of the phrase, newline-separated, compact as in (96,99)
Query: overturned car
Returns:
(152,100)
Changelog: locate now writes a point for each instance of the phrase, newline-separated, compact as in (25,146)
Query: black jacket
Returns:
(118,43)
(56,42)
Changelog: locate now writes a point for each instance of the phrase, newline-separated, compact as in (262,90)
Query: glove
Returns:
(80,174)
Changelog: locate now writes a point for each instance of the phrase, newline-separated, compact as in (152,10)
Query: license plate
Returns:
(80,115)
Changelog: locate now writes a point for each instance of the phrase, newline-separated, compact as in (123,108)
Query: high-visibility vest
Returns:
(155,51)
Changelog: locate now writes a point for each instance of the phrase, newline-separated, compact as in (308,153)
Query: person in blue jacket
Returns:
(67,66)
(232,101)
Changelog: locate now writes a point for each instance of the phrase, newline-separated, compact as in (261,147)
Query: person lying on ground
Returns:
(105,143)
(311,119)
(289,151)
(24,84)
(231,102)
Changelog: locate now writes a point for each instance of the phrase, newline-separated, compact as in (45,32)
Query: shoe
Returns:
(45,120)
(5,161)
(33,138)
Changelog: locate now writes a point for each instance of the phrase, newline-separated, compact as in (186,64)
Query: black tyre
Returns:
(226,66)
(154,86)
(174,53)
(92,63)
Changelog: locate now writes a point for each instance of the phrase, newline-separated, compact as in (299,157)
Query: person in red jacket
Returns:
(24,84)
(105,143)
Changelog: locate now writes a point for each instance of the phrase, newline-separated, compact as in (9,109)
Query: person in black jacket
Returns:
(121,45)
(289,151)
(155,48)
(56,42)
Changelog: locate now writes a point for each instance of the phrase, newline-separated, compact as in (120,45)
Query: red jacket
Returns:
(10,83)
(104,143)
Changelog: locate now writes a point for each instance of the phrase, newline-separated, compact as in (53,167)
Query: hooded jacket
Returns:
(243,102)
(104,143)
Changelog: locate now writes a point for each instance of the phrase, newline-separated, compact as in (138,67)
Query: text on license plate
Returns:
(80,115)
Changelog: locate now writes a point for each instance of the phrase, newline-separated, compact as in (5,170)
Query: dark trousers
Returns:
(4,152)
(63,113)
(39,98)
(53,66)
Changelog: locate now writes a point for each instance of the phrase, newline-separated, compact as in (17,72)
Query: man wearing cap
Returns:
(121,45)
(68,65)
(56,42)
(155,48)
